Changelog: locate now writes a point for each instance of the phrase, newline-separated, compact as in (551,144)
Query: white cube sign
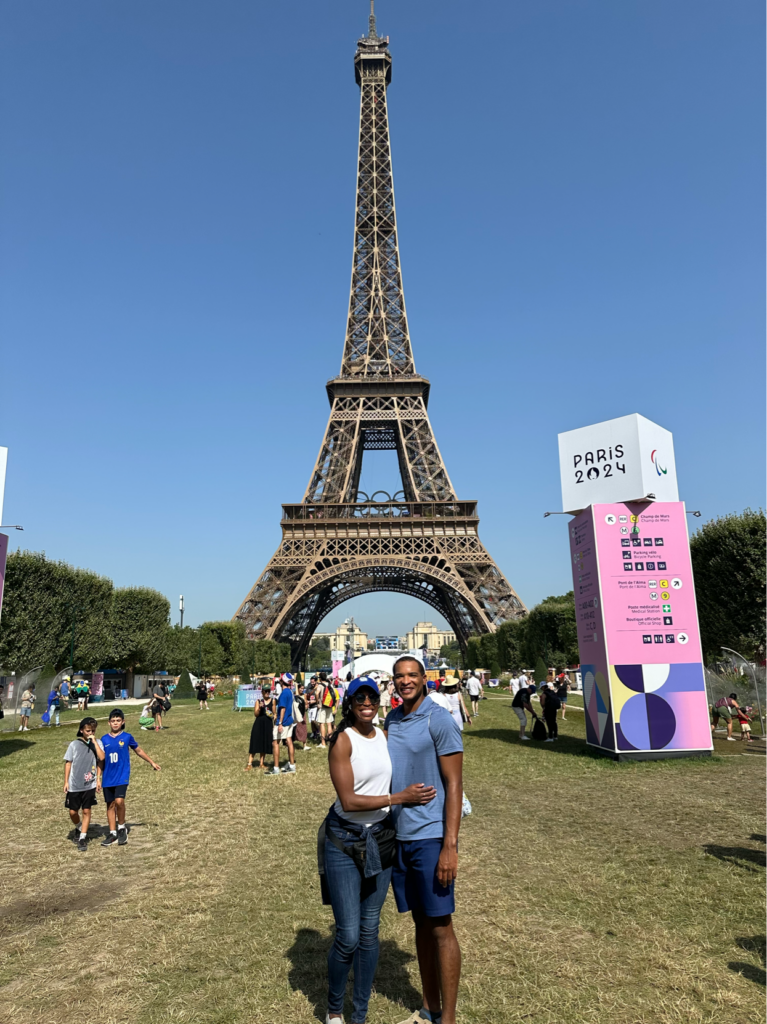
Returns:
(625,459)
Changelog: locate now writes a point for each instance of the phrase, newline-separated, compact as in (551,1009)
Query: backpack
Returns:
(329,697)
(539,730)
(552,701)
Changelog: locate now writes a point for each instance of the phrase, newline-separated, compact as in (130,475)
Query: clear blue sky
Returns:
(581,208)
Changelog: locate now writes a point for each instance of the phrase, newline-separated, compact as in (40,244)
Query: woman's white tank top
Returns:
(372,775)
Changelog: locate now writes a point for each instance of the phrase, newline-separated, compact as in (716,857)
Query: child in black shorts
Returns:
(83,755)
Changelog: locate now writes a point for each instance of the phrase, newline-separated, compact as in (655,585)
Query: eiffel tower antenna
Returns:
(339,542)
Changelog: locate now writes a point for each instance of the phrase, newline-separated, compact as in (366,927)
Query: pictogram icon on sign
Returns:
(610,519)
(676,583)
(682,638)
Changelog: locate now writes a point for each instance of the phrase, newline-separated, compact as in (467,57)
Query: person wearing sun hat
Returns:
(355,845)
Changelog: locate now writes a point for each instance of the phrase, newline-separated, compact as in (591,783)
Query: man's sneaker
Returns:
(122,836)
(524,737)
(550,740)
(110,840)
(82,845)
(288,769)
(731,739)
(272,771)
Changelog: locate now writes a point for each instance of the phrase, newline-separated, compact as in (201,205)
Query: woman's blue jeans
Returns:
(357,912)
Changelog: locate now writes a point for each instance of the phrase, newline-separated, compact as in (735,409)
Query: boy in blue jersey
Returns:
(115,775)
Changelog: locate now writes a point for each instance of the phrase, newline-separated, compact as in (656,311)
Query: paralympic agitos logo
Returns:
(658,468)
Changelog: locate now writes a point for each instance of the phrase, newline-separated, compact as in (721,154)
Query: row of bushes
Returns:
(50,607)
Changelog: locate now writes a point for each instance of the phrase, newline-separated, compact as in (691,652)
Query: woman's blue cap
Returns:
(359,682)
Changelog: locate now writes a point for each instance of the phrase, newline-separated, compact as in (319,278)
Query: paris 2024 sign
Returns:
(643,684)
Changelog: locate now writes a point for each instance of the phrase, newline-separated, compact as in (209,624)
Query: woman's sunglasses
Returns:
(367,697)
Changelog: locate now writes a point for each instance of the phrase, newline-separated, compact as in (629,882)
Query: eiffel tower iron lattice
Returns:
(338,543)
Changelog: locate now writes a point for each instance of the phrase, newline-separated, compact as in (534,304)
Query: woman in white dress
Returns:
(457,707)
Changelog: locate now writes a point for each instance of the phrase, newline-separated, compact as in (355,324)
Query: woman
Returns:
(202,694)
(455,697)
(261,731)
(311,706)
(356,886)
(563,686)
(383,688)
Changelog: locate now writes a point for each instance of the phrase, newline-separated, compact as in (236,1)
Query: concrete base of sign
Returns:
(650,755)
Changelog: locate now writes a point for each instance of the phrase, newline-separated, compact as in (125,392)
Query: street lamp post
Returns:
(75,607)
(181,609)
(756,684)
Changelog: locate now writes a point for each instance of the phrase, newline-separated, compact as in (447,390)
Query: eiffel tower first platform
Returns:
(340,543)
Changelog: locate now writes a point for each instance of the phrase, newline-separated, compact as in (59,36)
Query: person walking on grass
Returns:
(356,886)
(475,692)
(28,699)
(159,699)
(283,728)
(83,756)
(520,705)
(425,746)
(114,775)
(326,713)
(202,694)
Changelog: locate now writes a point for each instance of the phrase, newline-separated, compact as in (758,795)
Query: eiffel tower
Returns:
(338,542)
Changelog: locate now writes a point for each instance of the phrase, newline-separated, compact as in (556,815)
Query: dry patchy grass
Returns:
(589,892)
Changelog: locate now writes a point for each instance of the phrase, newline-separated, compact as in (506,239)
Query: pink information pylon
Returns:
(644,690)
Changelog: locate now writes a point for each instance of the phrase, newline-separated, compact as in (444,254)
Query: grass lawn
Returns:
(589,892)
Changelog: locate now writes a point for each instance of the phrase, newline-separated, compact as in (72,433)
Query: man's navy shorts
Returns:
(113,792)
(414,879)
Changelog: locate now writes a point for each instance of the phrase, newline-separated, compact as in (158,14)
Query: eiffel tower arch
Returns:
(339,543)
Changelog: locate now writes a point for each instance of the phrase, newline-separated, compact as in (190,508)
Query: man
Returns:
(283,729)
(442,677)
(520,705)
(159,696)
(475,692)
(326,710)
(522,681)
(513,686)
(28,702)
(425,747)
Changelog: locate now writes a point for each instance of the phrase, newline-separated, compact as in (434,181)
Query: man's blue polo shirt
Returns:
(416,741)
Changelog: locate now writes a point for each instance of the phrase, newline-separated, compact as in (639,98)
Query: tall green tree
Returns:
(488,647)
(318,655)
(729,563)
(43,601)
(452,654)
(550,632)
(139,628)
(474,653)
(511,644)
